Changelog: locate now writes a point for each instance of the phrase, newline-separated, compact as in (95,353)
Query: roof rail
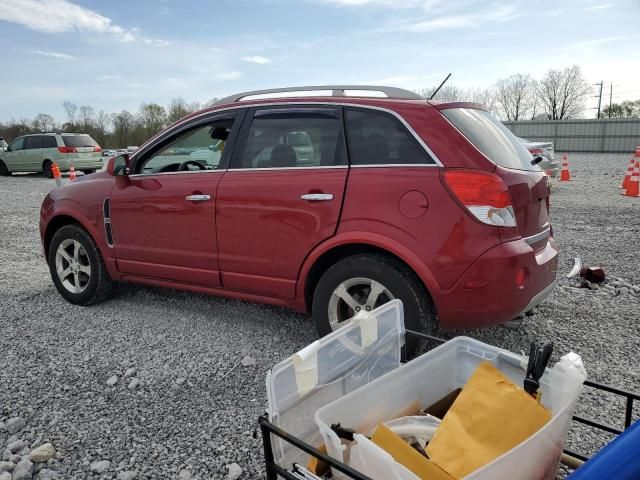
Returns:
(336,91)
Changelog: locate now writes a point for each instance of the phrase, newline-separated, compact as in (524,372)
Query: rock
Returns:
(15,424)
(43,453)
(47,474)
(127,475)
(15,458)
(7,466)
(180,380)
(112,380)
(16,446)
(248,361)
(23,470)
(594,286)
(130,372)
(100,466)
(6,455)
(234,471)
(133,384)
(184,474)
(5,476)
(585,284)
(623,291)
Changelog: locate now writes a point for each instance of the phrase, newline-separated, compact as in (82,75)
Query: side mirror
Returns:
(119,166)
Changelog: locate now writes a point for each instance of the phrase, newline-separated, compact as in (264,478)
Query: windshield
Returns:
(79,141)
(491,137)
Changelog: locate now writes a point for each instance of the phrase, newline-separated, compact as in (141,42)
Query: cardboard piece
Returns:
(490,417)
(442,406)
(317,466)
(407,456)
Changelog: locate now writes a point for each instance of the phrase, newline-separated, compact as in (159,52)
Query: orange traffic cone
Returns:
(633,190)
(627,175)
(565,176)
(56,174)
(72,173)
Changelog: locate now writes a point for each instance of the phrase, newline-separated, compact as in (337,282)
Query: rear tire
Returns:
(361,274)
(4,171)
(77,268)
(88,172)
(46,169)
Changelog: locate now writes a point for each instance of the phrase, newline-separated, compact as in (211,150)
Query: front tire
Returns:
(364,282)
(4,171)
(77,268)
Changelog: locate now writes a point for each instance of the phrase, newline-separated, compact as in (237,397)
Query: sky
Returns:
(114,55)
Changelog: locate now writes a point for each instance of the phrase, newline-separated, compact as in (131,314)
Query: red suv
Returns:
(328,204)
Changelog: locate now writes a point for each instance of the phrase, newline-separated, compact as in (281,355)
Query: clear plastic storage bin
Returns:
(435,374)
(366,348)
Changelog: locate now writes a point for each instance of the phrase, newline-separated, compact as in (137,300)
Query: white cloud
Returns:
(499,15)
(232,75)
(257,59)
(58,16)
(383,3)
(164,11)
(598,7)
(46,53)
(104,78)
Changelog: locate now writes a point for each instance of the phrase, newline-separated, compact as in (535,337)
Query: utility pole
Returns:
(599,97)
(610,98)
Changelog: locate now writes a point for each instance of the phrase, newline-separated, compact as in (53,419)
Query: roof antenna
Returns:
(439,87)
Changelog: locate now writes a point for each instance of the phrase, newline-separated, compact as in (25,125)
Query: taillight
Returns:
(67,150)
(97,148)
(484,194)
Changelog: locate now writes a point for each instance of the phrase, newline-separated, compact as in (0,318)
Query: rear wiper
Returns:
(537,159)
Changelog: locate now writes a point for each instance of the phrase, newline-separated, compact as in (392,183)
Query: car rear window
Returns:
(491,137)
(49,141)
(79,141)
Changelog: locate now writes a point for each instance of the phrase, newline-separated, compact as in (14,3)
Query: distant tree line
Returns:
(559,94)
(110,130)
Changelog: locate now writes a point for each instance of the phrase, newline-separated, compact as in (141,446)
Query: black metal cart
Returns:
(275,471)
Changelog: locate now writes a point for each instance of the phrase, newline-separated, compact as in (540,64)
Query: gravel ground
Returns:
(158,383)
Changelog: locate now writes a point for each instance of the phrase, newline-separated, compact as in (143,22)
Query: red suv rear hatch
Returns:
(527,183)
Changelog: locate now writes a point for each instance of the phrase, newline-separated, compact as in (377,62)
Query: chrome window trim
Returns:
(311,167)
(133,175)
(156,139)
(538,236)
(388,165)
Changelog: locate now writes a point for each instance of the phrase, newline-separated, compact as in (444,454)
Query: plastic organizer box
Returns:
(432,376)
(364,349)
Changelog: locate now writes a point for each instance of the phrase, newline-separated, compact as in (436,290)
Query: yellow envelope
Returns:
(406,455)
(490,417)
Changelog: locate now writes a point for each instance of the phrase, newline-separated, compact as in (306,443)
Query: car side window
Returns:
(49,141)
(378,138)
(33,142)
(196,149)
(17,144)
(285,138)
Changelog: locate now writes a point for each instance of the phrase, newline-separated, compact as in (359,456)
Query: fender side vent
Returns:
(106,212)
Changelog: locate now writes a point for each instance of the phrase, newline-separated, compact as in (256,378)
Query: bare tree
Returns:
(123,124)
(71,109)
(515,95)
(152,118)
(86,117)
(177,109)
(43,122)
(563,93)
(483,96)
(448,93)
(102,123)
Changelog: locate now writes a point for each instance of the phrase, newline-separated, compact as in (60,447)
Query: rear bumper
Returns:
(488,294)
(94,163)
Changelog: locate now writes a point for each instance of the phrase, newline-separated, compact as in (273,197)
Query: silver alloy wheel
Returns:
(73,266)
(354,295)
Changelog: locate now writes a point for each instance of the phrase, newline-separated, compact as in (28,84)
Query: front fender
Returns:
(376,240)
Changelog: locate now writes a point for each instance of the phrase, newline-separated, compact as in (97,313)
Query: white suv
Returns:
(37,152)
